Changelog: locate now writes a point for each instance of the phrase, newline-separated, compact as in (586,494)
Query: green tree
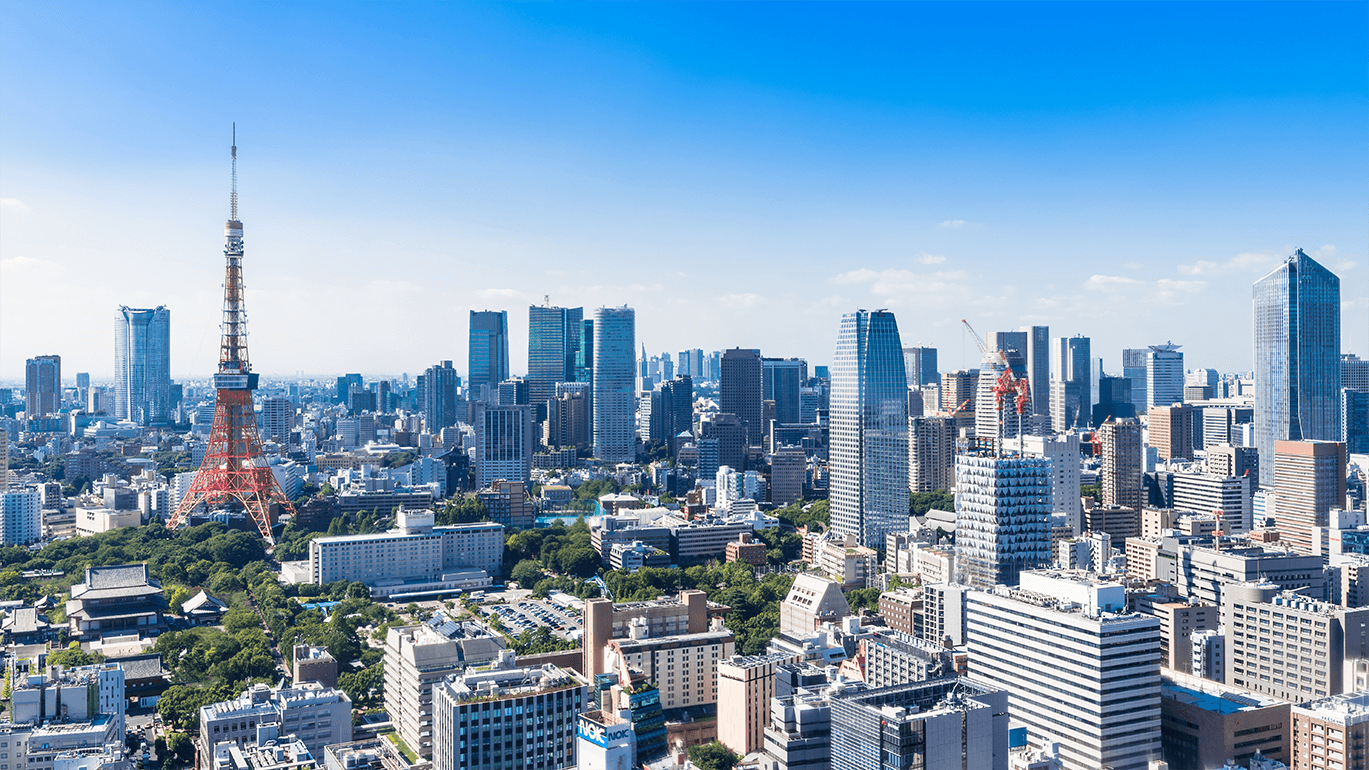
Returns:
(712,756)
(863,598)
(526,573)
(181,745)
(75,657)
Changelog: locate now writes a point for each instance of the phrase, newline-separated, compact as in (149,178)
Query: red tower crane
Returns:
(234,469)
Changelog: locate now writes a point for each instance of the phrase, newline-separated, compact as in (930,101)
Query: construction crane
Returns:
(990,355)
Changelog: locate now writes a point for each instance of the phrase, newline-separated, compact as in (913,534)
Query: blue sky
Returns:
(741,174)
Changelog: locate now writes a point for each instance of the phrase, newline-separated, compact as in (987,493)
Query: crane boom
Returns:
(990,355)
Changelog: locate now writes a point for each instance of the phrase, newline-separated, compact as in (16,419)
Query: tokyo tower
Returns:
(234,470)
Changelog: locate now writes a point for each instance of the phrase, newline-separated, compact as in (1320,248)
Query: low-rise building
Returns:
(684,668)
(1179,621)
(902,610)
(744,548)
(269,751)
(415,557)
(746,683)
(1284,644)
(846,561)
(313,664)
(116,600)
(416,658)
(1331,733)
(951,722)
(369,754)
(316,715)
(507,503)
(893,658)
(635,555)
(812,600)
(1206,723)
(504,716)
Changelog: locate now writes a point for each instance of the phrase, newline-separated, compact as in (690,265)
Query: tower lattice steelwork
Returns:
(234,470)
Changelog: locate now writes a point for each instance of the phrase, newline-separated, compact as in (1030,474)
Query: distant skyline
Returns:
(741,175)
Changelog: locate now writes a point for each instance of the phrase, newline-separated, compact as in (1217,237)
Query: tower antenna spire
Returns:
(234,199)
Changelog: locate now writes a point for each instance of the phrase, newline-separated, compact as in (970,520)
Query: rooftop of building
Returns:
(396,534)
(1347,710)
(752,661)
(261,698)
(1211,696)
(502,679)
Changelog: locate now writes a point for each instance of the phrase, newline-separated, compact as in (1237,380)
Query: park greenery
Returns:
(921,502)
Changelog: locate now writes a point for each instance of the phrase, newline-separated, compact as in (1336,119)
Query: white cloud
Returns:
(500,293)
(14,204)
(1111,283)
(931,259)
(1344,264)
(1250,261)
(953,223)
(739,301)
(24,263)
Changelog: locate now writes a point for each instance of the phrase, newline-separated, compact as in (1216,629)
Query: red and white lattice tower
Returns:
(234,470)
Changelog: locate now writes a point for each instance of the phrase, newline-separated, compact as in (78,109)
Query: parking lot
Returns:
(520,616)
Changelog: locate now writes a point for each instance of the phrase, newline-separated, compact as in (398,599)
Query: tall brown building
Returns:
(1171,431)
(958,387)
(931,454)
(1309,480)
(1121,476)
(739,391)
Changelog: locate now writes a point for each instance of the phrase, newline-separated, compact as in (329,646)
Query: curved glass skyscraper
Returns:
(868,450)
(1297,357)
(614,370)
(142,365)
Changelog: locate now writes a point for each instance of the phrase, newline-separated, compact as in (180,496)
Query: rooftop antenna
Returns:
(234,200)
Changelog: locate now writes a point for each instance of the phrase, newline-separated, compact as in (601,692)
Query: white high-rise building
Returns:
(868,454)
(1063,452)
(277,419)
(1003,517)
(1079,669)
(613,383)
(142,365)
(1164,375)
(21,519)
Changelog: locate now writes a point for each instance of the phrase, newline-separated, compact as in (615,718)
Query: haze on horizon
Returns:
(740,174)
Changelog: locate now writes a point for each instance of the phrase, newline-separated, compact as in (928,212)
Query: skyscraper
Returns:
(1039,367)
(553,345)
(1134,369)
(1013,346)
(142,365)
(920,364)
(1297,357)
(781,381)
(1121,476)
(614,340)
(1003,509)
(439,397)
(584,358)
(42,386)
(503,443)
(739,390)
(1309,481)
(1164,374)
(1071,383)
(489,349)
(868,453)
